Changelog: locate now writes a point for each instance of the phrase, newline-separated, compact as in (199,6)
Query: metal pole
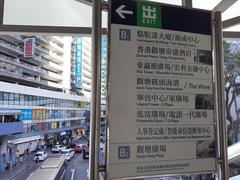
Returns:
(96,90)
(187,3)
(220,101)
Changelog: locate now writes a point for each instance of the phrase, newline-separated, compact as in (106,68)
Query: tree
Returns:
(231,73)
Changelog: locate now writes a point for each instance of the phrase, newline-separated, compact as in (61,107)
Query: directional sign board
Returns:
(161,102)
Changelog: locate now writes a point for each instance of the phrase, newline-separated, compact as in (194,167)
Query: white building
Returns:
(36,105)
(81,65)
(48,68)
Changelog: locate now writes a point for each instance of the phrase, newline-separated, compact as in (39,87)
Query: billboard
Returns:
(39,114)
(161,102)
(79,62)
(29,47)
(26,114)
(104,48)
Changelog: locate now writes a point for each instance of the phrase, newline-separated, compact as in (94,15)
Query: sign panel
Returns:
(26,114)
(161,103)
(79,62)
(29,45)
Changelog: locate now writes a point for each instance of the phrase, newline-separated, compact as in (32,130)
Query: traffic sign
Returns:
(121,12)
(161,103)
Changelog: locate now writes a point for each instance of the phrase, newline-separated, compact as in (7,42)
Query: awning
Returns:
(10,112)
(234,153)
(25,139)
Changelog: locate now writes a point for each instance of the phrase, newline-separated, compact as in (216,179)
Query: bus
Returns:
(51,169)
(234,161)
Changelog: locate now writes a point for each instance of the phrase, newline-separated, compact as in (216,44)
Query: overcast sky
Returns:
(77,14)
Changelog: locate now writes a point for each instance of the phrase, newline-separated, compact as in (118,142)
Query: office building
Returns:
(81,66)
(81,76)
(37,61)
(36,103)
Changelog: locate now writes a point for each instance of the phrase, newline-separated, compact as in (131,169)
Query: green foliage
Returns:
(226,47)
(231,72)
(230,142)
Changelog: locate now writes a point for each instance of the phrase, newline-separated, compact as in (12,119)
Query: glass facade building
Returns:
(42,114)
(32,117)
(81,66)
(36,104)
(54,113)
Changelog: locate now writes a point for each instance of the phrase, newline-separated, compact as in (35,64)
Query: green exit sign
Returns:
(149,15)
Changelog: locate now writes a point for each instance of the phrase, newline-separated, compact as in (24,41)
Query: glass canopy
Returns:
(77,13)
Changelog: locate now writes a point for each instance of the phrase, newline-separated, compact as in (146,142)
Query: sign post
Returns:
(29,47)
(220,98)
(96,90)
(161,103)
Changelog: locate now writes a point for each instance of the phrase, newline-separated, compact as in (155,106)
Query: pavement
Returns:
(76,168)
(17,169)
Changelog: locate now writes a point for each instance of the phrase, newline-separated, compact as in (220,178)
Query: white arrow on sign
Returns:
(120,11)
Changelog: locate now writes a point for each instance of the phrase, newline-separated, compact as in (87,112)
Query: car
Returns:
(40,156)
(68,153)
(58,148)
(79,148)
(71,145)
(86,153)
(102,146)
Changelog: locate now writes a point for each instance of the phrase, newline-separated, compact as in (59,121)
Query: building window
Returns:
(11,118)
(30,100)
(49,102)
(44,101)
(1,98)
(26,100)
(16,99)
(22,100)
(40,101)
(11,98)
(5,98)
(35,100)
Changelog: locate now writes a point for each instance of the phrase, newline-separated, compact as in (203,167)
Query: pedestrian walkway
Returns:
(17,169)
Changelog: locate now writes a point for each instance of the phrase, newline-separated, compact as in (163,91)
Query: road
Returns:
(76,169)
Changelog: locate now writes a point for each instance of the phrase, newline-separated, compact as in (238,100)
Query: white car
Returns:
(68,153)
(102,146)
(58,148)
(40,156)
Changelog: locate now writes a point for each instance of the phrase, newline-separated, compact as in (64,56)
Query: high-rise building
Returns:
(104,72)
(45,67)
(82,77)
(36,103)
(81,65)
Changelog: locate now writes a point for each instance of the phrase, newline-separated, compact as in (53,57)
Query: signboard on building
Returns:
(26,114)
(22,140)
(29,47)
(161,101)
(79,62)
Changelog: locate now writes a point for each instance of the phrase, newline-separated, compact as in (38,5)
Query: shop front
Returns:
(26,145)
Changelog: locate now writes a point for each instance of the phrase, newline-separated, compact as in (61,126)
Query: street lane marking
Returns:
(88,173)
(73,171)
(75,162)
(62,175)
(30,175)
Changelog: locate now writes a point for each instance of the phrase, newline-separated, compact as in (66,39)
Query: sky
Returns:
(77,14)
